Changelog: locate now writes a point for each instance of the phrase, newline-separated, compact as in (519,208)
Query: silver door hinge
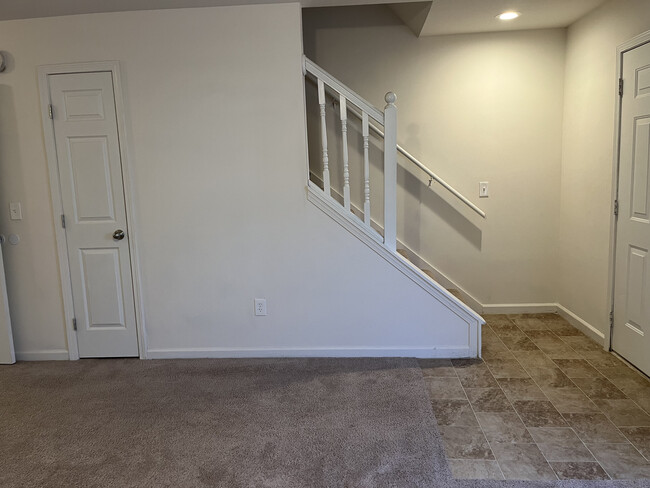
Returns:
(63,221)
(74,324)
(50,111)
(611,318)
(620,87)
(616,208)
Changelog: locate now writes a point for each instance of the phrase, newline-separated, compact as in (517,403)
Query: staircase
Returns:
(352,209)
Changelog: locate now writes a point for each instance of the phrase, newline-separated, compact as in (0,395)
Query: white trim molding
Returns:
(581,325)
(530,308)
(512,308)
(57,206)
(326,352)
(47,355)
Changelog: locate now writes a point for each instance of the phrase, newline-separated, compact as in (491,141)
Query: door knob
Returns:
(118,235)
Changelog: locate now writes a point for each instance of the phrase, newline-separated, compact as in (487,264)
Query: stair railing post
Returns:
(366,169)
(390,172)
(323,138)
(346,162)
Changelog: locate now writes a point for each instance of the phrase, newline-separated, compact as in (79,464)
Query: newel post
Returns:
(390,172)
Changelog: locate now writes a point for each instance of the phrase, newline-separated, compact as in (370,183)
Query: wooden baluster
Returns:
(346,163)
(323,136)
(390,172)
(366,170)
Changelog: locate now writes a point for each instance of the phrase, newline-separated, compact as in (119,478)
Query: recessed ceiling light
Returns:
(508,15)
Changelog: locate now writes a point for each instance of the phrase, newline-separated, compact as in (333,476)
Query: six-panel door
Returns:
(90,170)
(631,334)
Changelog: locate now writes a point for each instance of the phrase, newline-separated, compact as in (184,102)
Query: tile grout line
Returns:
(444,447)
(519,416)
(597,461)
(581,357)
(602,375)
(629,365)
(628,397)
(605,414)
(561,414)
(617,427)
(479,424)
(514,409)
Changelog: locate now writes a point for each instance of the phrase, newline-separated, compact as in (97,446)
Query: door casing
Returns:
(633,43)
(57,202)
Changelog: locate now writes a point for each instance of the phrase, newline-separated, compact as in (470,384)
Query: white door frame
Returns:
(633,43)
(57,202)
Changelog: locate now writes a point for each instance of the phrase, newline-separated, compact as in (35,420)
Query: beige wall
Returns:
(216,136)
(586,184)
(485,107)
(531,112)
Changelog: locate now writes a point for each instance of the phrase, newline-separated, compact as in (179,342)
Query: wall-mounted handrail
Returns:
(431,174)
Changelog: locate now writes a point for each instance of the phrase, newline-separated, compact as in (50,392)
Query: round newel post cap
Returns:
(390,97)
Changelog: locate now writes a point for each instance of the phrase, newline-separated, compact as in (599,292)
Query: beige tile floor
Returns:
(545,403)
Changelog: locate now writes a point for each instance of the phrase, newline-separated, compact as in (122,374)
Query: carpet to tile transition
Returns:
(223,423)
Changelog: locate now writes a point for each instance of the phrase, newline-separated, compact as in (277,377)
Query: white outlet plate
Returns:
(260,306)
(483,190)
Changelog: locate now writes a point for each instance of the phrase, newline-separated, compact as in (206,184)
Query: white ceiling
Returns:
(472,16)
(427,18)
(25,9)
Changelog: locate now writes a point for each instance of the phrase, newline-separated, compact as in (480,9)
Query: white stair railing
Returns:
(388,119)
(349,101)
(390,172)
(329,85)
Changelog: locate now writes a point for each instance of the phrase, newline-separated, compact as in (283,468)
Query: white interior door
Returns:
(90,171)
(7,355)
(631,334)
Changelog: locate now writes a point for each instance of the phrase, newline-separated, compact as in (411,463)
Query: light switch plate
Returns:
(15,212)
(483,189)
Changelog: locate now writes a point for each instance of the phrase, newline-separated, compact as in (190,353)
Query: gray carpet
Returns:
(224,423)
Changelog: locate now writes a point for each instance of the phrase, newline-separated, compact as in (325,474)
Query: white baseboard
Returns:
(51,355)
(344,352)
(511,308)
(581,324)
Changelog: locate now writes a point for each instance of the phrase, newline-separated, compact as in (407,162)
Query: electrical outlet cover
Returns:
(260,306)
